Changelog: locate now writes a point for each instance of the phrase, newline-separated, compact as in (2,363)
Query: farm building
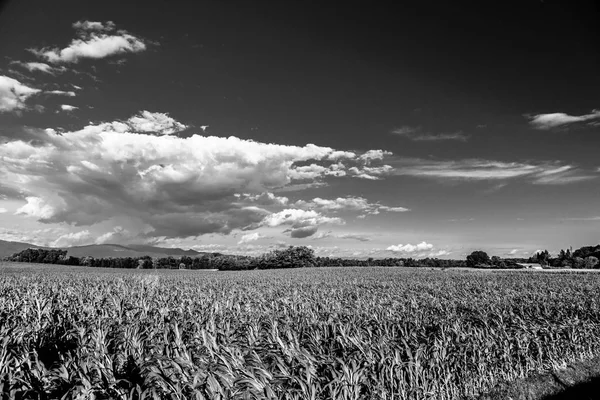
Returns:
(530,265)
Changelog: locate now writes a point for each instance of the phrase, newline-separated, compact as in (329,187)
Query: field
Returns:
(331,333)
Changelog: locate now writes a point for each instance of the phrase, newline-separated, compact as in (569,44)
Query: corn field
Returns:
(335,333)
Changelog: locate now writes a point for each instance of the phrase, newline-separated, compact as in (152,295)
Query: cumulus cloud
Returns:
(178,187)
(251,237)
(480,170)
(66,107)
(94,40)
(155,122)
(3,210)
(13,94)
(559,119)
(416,134)
(263,199)
(420,250)
(374,155)
(302,223)
(94,26)
(410,248)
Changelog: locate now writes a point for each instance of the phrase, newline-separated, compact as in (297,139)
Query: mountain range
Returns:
(103,250)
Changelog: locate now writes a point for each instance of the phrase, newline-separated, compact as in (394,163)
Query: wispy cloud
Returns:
(481,170)
(39,66)
(348,236)
(94,40)
(593,218)
(62,93)
(418,135)
(559,119)
(352,204)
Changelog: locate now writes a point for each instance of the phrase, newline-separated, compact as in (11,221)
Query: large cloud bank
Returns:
(137,170)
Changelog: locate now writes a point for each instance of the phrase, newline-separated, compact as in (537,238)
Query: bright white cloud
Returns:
(94,40)
(62,93)
(420,250)
(303,223)
(374,155)
(251,237)
(3,210)
(410,248)
(555,120)
(37,207)
(13,94)
(73,239)
(176,186)
(66,107)
(155,123)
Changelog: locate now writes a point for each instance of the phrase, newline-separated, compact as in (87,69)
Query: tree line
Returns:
(302,256)
(584,257)
(291,257)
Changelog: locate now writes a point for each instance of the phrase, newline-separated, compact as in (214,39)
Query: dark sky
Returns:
(462,81)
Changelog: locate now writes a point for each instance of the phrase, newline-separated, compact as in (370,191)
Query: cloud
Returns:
(420,250)
(358,204)
(177,187)
(555,120)
(73,239)
(593,218)
(152,123)
(251,237)
(13,94)
(66,107)
(303,223)
(416,134)
(481,170)
(94,26)
(38,66)
(374,155)
(263,199)
(3,210)
(409,248)
(94,40)
(349,236)
(149,122)
(62,93)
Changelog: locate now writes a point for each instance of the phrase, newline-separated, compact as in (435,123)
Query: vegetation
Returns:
(291,257)
(335,333)
(585,257)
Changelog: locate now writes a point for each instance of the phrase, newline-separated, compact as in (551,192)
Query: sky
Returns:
(422,130)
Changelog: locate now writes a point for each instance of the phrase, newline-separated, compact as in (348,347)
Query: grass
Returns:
(334,333)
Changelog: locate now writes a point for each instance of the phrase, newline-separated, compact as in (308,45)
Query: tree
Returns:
(542,257)
(578,262)
(478,258)
(591,262)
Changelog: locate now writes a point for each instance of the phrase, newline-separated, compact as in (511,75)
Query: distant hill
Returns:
(10,248)
(103,250)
